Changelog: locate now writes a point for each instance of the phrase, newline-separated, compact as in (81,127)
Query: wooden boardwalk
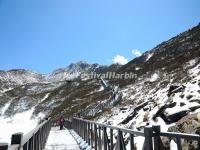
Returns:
(61,140)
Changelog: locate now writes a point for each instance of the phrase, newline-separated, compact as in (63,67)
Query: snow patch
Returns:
(21,122)
(3,110)
(173,145)
(45,97)
(154,77)
(6,90)
(149,55)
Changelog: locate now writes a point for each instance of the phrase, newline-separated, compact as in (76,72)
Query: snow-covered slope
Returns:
(21,122)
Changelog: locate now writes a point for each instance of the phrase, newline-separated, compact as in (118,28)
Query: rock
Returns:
(190,125)
(172,88)
(182,96)
(123,108)
(193,82)
(198,116)
(195,100)
(175,89)
(182,104)
(146,117)
(193,108)
(189,97)
(160,112)
(176,116)
(146,108)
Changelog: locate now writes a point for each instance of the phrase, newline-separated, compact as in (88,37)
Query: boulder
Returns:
(188,124)
(175,89)
(176,116)
(195,100)
(198,117)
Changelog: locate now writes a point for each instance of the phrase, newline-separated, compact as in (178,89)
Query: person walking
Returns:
(61,122)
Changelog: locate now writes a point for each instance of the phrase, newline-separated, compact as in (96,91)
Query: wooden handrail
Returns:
(138,133)
(100,136)
(30,134)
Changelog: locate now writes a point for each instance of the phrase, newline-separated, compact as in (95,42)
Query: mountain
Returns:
(12,78)
(74,70)
(165,90)
(21,90)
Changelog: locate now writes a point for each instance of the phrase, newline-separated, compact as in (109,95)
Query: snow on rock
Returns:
(61,140)
(20,76)
(156,94)
(6,90)
(137,68)
(3,110)
(101,89)
(45,97)
(149,55)
(154,77)
(191,62)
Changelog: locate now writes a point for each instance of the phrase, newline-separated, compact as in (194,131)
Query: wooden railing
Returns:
(105,137)
(34,140)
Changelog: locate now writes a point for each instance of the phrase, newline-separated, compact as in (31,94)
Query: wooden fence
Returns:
(105,137)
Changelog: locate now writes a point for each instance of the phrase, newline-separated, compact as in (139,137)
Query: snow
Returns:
(191,62)
(61,140)
(101,89)
(154,77)
(173,145)
(6,90)
(20,77)
(137,68)
(45,97)
(21,122)
(177,109)
(139,140)
(149,56)
(3,110)
(82,144)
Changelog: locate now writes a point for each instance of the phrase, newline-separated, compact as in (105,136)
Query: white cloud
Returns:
(136,52)
(120,60)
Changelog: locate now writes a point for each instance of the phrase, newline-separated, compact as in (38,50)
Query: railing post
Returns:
(3,146)
(111,139)
(95,137)
(17,139)
(100,138)
(105,142)
(84,130)
(131,142)
(91,135)
(178,142)
(158,145)
(119,142)
(148,133)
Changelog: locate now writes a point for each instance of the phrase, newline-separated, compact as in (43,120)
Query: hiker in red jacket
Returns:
(61,122)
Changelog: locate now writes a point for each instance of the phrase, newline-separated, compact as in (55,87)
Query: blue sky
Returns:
(43,35)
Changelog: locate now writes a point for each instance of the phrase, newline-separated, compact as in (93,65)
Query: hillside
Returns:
(166,90)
